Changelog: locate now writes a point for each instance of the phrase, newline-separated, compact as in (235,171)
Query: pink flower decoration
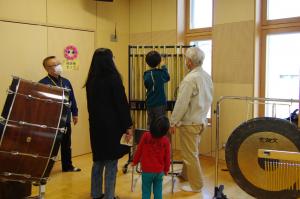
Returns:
(71,52)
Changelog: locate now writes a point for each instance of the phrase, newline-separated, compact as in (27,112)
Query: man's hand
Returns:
(172,130)
(75,119)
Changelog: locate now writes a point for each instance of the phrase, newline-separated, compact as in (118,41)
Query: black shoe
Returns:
(72,169)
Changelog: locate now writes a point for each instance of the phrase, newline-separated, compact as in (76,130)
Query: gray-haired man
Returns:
(189,116)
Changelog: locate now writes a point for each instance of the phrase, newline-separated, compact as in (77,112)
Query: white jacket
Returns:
(194,99)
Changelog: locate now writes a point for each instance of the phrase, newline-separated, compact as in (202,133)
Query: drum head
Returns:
(241,154)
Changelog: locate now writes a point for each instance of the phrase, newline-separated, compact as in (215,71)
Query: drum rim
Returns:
(232,147)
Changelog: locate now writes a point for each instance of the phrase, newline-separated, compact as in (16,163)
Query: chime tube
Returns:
(173,58)
(282,169)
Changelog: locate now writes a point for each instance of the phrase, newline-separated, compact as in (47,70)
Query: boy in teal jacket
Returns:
(154,80)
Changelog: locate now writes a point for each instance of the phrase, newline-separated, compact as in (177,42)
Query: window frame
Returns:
(199,38)
(188,30)
(199,34)
(271,27)
(266,22)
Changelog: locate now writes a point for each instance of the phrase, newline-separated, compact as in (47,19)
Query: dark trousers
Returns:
(66,152)
(154,113)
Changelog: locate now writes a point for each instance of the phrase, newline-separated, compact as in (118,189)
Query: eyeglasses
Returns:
(51,66)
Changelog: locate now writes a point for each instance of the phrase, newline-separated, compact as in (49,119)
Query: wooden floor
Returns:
(77,185)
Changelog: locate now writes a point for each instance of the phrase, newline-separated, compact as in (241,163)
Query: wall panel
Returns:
(233,54)
(22,49)
(233,62)
(111,16)
(153,22)
(163,15)
(19,10)
(84,41)
(228,11)
(232,112)
(166,37)
(140,16)
(72,13)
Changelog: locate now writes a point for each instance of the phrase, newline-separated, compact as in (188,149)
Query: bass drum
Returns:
(33,120)
(246,168)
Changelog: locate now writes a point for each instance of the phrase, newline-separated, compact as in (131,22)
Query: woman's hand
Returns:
(75,120)
(129,134)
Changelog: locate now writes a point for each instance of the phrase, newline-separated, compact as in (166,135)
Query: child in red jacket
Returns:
(154,154)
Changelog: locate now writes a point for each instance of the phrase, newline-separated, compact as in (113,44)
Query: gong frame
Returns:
(257,100)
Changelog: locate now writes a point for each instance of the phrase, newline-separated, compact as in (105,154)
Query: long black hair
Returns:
(102,65)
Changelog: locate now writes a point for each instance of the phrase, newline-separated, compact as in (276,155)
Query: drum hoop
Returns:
(27,154)
(19,78)
(241,177)
(28,176)
(8,116)
(53,143)
(37,98)
(62,130)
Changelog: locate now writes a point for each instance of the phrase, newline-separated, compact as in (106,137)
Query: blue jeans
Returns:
(111,167)
(150,180)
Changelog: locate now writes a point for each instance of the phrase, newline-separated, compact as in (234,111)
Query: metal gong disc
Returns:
(246,168)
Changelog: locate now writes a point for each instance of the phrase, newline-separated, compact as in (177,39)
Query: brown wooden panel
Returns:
(233,52)
(22,165)
(26,139)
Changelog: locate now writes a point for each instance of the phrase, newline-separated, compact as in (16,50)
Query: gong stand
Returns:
(242,157)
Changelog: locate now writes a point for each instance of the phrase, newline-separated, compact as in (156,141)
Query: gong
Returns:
(247,170)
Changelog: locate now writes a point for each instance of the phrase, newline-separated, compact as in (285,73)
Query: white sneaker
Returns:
(188,188)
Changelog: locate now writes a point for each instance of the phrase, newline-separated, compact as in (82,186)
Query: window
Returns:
(199,30)
(280,54)
(277,9)
(282,69)
(200,14)
(205,45)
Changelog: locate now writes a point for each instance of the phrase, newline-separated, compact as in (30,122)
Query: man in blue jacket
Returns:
(54,70)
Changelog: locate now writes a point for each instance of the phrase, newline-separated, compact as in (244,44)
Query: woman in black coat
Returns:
(109,119)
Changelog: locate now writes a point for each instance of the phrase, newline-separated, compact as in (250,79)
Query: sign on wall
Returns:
(71,61)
